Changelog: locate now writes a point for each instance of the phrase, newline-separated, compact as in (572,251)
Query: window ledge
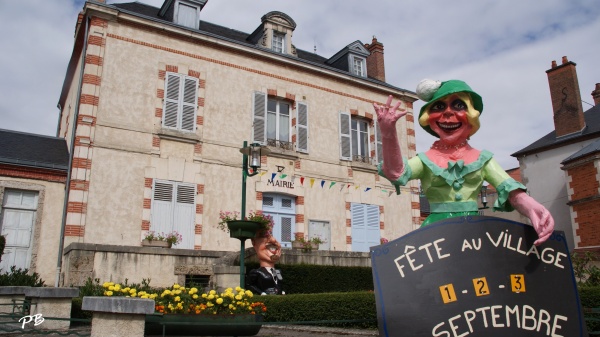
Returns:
(278,152)
(358,166)
(179,136)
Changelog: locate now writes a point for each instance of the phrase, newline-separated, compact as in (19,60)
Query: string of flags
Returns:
(324,184)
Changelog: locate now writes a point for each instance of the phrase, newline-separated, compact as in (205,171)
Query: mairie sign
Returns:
(476,276)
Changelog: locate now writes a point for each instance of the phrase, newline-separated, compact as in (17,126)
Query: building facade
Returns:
(560,169)
(159,103)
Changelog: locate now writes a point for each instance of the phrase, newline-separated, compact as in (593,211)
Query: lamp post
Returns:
(483,194)
(254,151)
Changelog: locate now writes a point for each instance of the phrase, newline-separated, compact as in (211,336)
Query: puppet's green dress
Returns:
(453,191)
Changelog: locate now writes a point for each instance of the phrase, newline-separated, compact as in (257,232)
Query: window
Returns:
(360,140)
(187,15)
(272,122)
(278,43)
(174,209)
(283,210)
(278,124)
(365,226)
(181,100)
(17,220)
(358,66)
(354,138)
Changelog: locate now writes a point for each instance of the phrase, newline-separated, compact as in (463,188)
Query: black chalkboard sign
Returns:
(476,276)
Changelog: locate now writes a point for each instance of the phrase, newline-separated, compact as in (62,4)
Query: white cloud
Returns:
(501,48)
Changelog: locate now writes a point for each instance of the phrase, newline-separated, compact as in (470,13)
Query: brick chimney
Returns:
(375,64)
(566,98)
(596,94)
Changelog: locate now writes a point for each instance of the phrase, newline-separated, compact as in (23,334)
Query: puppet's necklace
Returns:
(439,146)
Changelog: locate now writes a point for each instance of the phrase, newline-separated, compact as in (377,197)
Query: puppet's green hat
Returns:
(430,91)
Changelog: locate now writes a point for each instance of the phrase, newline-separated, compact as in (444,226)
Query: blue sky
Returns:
(501,48)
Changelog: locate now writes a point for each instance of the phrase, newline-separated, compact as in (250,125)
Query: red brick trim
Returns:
(161,74)
(147,203)
(160,93)
(200,101)
(80,185)
(158,112)
(299,200)
(194,73)
(148,182)
(298,164)
(93,59)
(415,205)
(76,207)
(410,118)
(96,40)
(198,148)
(91,79)
(272,92)
(172,68)
(155,141)
(145,225)
(299,218)
(348,239)
(88,117)
(381,225)
(74,230)
(82,141)
(199,120)
(33,173)
(200,189)
(89,99)
(202,84)
(198,229)
(96,21)
(83,163)
(350,174)
(197,247)
(259,196)
(199,209)
(348,222)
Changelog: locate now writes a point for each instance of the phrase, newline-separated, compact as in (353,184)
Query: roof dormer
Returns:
(352,58)
(183,12)
(275,33)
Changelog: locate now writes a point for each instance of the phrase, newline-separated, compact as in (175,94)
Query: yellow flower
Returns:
(195,296)
(238,289)
(209,304)
(204,296)
(132,291)
(176,286)
(108,293)
(117,287)
(249,293)
(211,296)
(212,292)
(193,291)
(177,299)
(238,297)
(219,300)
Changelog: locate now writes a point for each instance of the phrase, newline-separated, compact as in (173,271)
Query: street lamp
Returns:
(254,151)
(483,195)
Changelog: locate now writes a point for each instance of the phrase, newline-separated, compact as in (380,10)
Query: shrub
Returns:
(20,277)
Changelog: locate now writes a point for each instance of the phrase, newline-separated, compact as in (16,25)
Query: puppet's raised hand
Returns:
(540,217)
(387,116)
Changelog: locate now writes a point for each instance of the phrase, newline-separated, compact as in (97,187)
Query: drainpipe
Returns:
(69,170)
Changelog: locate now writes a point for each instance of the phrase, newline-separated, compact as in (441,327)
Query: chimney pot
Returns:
(564,60)
(553,64)
(375,61)
(596,94)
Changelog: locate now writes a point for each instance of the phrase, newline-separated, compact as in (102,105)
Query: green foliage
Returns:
(20,277)
(322,307)
(590,298)
(586,272)
(313,279)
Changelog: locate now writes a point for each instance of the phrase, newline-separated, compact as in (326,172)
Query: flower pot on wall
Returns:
(203,325)
(156,243)
(243,229)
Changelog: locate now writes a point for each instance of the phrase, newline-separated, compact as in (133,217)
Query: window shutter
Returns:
(345,140)
(378,144)
(259,109)
(189,104)
(162,205)
(184,215)
(302,123)
(372,230)
(365,226)
(171,100)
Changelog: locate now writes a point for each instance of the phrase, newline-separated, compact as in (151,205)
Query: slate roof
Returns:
(27,149)
(591,130)
(591,148)
(137,8)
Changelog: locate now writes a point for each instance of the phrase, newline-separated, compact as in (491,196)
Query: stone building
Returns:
(158,104)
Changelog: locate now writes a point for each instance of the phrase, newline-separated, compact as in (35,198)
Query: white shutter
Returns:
(187,16)
(259,110)
(365,226)
(184,215)
(18,218)
(189,104)
(345,140)
(162,207)
(378,144)
(171,108)
(302,127)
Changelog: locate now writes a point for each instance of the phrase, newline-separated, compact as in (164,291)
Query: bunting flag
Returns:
(302,181)
(390,194)
(341,188)
(322,183)
(356,187)
(273,176)
(312,181)
(331,184)
(283,175)
(262,173)
(367,189)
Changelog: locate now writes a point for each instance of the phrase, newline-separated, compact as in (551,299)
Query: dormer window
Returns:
(187,14)
(358,65)
(278,43)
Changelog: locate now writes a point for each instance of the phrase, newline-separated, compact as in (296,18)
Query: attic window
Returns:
(278,43)
(357,66)
(187,14)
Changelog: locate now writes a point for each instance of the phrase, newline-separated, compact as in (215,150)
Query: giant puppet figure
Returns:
(266,280)
(451,171)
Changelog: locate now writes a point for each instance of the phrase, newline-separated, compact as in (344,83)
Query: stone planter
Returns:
(156,243)
(243,229)
(203,325)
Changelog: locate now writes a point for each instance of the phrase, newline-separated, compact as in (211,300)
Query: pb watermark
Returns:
(37,319)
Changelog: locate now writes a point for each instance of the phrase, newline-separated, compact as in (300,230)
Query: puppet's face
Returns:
(268,250)
(448,118)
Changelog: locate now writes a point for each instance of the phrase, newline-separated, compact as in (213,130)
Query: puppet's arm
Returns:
(540,217)
(387,116)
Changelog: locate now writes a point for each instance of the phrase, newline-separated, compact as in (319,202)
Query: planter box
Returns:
(242,229)
(156,243)
(203,325)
